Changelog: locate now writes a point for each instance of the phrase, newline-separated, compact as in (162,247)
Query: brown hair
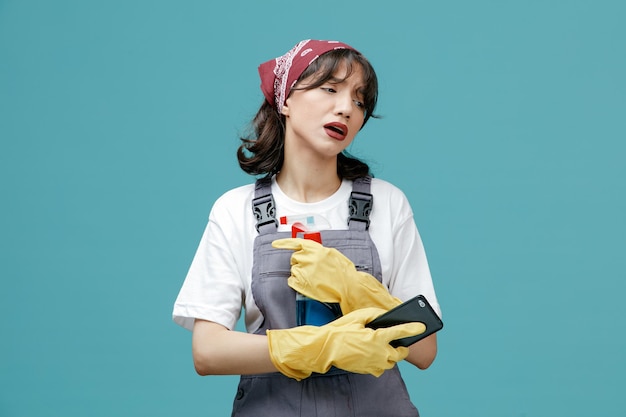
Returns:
(262,152)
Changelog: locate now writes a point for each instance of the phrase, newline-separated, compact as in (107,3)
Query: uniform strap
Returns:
(360,205)
(263,207)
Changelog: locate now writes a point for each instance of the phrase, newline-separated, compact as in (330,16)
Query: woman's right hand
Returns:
(326,275)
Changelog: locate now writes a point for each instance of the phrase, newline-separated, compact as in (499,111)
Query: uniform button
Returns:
(239,395)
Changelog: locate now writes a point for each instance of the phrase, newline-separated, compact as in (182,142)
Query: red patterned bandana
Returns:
(280,74)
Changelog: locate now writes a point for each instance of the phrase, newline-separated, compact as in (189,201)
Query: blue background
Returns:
(504,123)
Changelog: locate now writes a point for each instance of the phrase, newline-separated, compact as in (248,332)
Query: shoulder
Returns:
(236,195)
(391,210)
(233,203)
(390,196)
(386,189)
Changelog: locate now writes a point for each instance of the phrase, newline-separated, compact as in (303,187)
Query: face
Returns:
(324,120)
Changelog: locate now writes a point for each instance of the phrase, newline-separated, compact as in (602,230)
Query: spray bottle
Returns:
(308,310)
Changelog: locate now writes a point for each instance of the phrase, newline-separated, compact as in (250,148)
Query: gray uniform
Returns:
(337,392)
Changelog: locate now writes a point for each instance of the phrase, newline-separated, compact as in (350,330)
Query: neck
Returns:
(306,183)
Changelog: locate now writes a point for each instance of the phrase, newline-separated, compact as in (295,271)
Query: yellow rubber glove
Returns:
(345,343)
(326,275)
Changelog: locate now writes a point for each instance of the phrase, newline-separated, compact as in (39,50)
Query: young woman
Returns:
(318,96)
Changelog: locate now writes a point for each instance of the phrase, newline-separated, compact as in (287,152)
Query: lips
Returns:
(336,130)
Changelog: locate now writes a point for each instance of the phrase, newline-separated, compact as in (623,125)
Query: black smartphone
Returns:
(415,309)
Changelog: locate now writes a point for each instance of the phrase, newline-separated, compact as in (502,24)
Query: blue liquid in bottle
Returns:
(308,310)
(313,312)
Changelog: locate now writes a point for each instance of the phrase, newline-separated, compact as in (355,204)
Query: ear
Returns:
(285,109)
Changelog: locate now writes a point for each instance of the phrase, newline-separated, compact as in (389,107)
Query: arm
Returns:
(299,351)
(412,276)
(327,275)
(219,351)
(423,353)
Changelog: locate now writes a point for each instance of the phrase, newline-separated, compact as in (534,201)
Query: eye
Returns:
(329,89)
(359,104)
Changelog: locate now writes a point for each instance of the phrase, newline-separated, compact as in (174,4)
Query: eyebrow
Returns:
(336,80)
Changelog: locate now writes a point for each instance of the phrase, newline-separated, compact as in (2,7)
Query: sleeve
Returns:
(212,289)
(410,271)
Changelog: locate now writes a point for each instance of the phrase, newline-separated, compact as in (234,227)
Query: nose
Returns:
(344,105)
